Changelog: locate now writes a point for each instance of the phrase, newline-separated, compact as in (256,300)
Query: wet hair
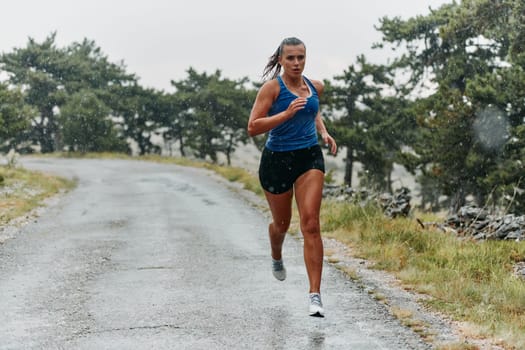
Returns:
(273,68)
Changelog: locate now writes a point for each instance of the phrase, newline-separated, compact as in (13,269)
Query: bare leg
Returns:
(281,208)
(308,194)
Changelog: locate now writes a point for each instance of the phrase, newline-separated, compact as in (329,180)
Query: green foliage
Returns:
(35,68)
(50,76)
(178,121)
(215,111)
(14,118)
(449,107)
(464,142)
(142,112)
(86,126)
(207,114)
(370,124)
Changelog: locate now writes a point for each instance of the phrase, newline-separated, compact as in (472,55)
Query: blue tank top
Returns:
(299,131)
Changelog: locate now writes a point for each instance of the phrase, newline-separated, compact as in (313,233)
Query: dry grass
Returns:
(22,191)
(407,319)
(468,280)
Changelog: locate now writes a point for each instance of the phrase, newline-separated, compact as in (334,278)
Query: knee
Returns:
(310,226)
(281,226)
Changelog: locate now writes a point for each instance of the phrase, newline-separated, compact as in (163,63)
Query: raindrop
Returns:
(491,128)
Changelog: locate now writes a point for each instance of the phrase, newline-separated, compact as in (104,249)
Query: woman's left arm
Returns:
(327,139)
(319,124)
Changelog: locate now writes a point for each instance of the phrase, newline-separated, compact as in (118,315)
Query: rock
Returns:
(479,224)
(393,205)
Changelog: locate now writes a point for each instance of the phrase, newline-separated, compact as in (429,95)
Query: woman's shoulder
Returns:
(318,85)
(270,87)
(272,83)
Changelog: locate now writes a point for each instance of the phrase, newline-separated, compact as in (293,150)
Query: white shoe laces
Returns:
(316,299)
(278,265)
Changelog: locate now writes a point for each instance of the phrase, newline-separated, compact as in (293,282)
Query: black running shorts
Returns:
(278,171)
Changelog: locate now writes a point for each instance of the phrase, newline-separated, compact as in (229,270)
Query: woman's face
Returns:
(292,59)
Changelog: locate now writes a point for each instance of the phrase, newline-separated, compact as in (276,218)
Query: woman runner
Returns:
(292,163)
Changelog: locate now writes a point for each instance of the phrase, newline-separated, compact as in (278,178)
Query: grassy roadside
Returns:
(22,190)
(470,281)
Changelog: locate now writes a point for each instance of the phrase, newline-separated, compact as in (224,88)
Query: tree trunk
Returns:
(349,167)
(458,200)
(389,180)
(181,146)
(229,150)
(46,131)
(142,145)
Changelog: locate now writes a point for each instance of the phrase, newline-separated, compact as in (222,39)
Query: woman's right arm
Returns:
(259,122)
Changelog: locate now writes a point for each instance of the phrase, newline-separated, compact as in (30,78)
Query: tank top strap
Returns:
(281,83)
(311,85)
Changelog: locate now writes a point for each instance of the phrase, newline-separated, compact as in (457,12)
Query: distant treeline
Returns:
(449,106)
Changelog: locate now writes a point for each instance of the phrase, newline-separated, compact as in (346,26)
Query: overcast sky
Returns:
(159,40)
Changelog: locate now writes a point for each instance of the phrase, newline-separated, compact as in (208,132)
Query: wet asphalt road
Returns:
(149,256)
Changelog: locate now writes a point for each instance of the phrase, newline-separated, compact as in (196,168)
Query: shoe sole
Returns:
(279,279)
(317,314)
(280,275)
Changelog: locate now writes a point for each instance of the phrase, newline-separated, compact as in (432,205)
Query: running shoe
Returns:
(316,305)
(278,269)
